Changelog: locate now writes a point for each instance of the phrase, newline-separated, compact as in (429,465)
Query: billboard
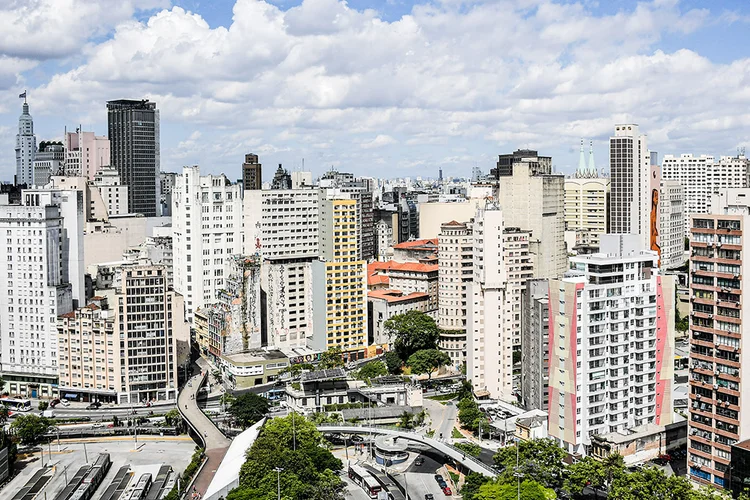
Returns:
(654,191)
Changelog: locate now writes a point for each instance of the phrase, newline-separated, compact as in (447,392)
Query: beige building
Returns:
(248,369)
(128,344)
(671,225)
(586,207)
(433,215)
(384,304)
(455,257)
(407,277)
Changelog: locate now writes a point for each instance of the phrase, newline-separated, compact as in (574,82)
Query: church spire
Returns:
(592,166)
(581,172)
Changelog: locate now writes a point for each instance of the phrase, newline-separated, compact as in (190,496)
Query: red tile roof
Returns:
(395,295)
(71,314)
(416,267)
(428,244)
(377,279)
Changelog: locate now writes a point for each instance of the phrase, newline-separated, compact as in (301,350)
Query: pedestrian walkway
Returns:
(215,443)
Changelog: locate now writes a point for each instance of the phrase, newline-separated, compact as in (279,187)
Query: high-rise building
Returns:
(133,128)
(282,225)
(533,198)
(339,279)
(252,173)
(631,185)
(611,345)
(166,185)
(718,240)
(671,225)
(85,153)
(25,148)
(48,162)
(701,176)
(113,192)
(455,262)
(519,265)
(36,288)
(586,201)
(281,179)
(207,230)
(360,189)
(535,339)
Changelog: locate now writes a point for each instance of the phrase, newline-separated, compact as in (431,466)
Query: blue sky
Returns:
(383,88)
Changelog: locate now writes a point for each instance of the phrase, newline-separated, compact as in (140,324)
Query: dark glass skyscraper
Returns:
(134,151)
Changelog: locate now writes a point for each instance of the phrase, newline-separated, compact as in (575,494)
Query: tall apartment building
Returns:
(519,265)
(611,345)
(586,201)
(535,339)
(166,185)
(489,342)
(25,148)
(701,176)
(533,198)
(282,225)
(207,230)
(455,263)
(48,162)
(671,225)
(718,241)
(133,128)
(339,279)
(113,192)
(36,288)
(630,189)
(125,346)
(252,173)
(359,189)
(85,153)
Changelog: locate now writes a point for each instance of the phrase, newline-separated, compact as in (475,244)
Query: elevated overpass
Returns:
(459,456)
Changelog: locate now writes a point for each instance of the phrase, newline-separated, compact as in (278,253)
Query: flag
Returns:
(22,96)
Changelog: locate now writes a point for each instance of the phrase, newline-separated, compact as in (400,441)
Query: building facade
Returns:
(48,163)
(409,277)
(252,173)
(85,153)
(611,345)
(25,148)
(718,240)
(630,170)
(455,261)
(133,128)
(535,338)
(671,225)
(113,192)
(586,201)
(382,305)
(207,230)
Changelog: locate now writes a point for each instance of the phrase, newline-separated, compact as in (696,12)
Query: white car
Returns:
(64,402)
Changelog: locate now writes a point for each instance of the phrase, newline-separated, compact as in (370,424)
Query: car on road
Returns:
(419,460)
(429,496)
(447,491)
(64,402)
(97,426)
(93,406)
(54,402)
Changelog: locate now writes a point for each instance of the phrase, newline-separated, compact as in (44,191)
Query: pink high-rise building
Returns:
(85,153)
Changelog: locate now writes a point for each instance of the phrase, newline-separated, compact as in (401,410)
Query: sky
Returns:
(382,88)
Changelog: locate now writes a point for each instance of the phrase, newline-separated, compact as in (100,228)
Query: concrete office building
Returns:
(339,279)
(611,345)
(282,226)
(535,338)
(519,265)
(718,241)
(36,288)
(701,176)
(113,192)
(47,163)
(166,185)
(134,135)
(455,261)
(630,188)
(252,173)
(360,190)
(25,147)
(671,225)
(85,153)
(533,198)
(207,230)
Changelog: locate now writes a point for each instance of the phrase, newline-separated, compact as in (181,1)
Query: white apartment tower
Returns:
(25,147)
(207,229)
(282,226)
(113,192)
(35,289)
(671,225)
(611,345)
(455,261)
(586,199)
(630,171)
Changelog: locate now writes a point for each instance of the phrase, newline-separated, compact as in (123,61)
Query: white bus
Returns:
(14,404)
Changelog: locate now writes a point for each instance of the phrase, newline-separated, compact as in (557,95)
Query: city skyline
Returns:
(430,95)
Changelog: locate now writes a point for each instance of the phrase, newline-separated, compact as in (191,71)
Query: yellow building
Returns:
(340,279)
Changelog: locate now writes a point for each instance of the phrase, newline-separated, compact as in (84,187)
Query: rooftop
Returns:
(392,296)
(428,244)
(635,433)
(415,267)
(253,357)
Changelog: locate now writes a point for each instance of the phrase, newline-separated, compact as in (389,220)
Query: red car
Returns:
(447,491)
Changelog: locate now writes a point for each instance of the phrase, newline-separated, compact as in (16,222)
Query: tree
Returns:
(529,490)
(173,418)
(539,460)
(586,472)
(470,449)
(469,414)
(650,482)
(4,414)
(393,362)
(226,400)
(248,409)
(31,429)
(43,405)
(371,370)
(293,444)
(407,420)
(217,376)
(411,332)
(614,465)
(332,358)
(427,361)
(472,483)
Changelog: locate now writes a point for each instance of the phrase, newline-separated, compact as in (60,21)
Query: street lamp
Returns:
(278,480)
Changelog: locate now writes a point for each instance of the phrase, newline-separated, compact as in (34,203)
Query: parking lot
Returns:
(148,456)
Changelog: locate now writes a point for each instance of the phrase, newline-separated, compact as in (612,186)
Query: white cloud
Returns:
(378,142)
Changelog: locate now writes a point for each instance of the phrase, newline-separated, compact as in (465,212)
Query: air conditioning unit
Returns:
(718,245)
